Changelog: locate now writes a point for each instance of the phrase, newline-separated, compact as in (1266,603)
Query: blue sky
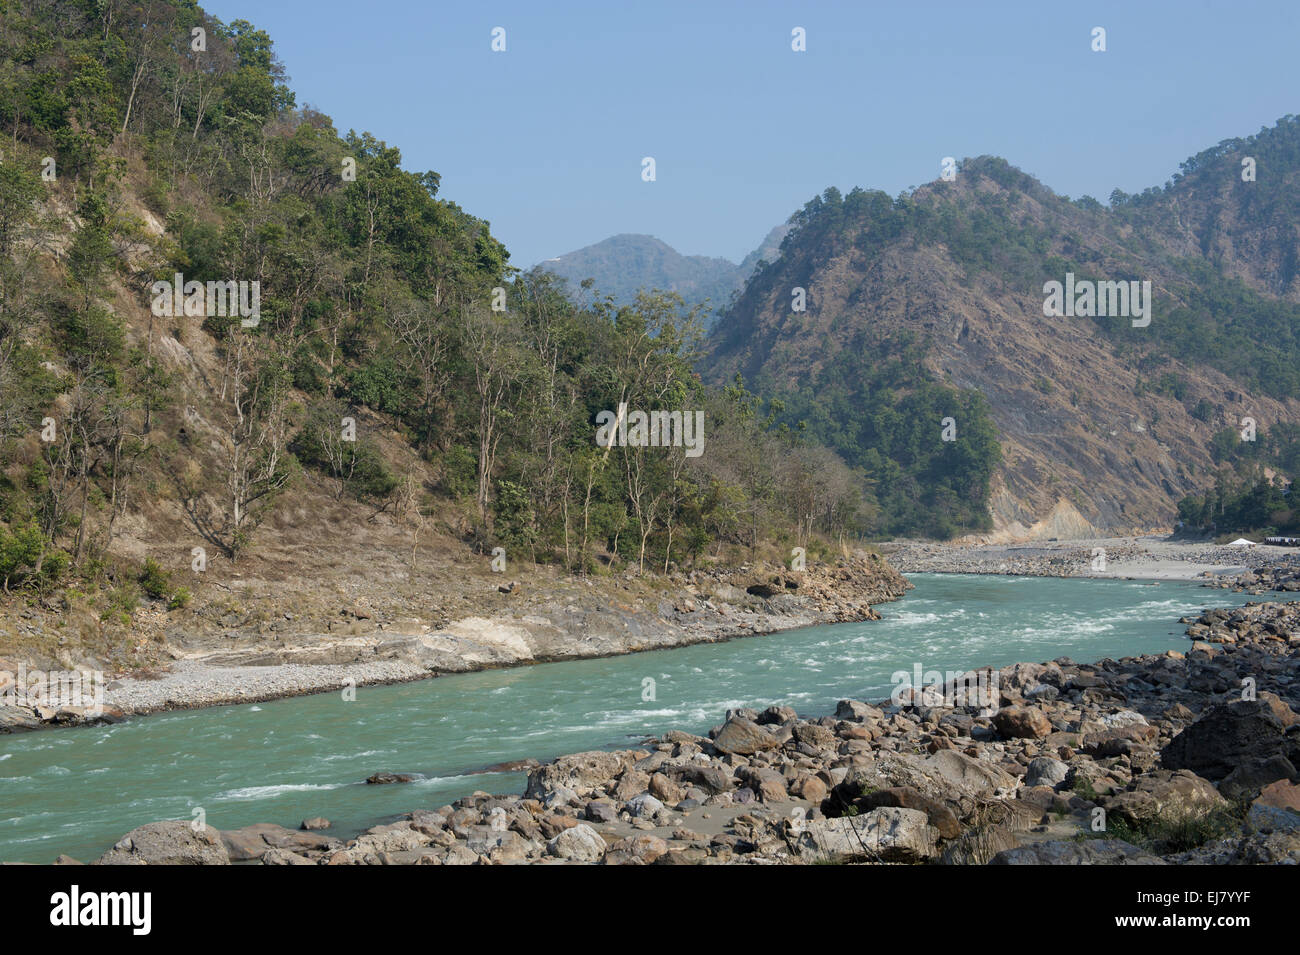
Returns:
(546,139)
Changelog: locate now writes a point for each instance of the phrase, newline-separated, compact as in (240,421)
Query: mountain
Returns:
(1104,422)
(624,264)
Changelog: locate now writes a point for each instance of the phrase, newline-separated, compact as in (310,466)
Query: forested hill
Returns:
(1104,421)
(236,341)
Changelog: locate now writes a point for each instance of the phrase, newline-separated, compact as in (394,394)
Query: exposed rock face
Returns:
(1067,400)
(168,843)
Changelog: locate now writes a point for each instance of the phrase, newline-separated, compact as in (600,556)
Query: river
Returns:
(76,791)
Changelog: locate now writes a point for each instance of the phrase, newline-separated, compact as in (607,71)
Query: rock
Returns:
(636,850)
(315,823)
(768,785)
(743,737)
(168,843)
(644,806)
(1229,734)
(712,779)
(601,810)
(1167,795)
(940,816)
(1123,718)
(1021,722)
(580,772)
(1272,819)
(631,783)
(812,734)
(886,834)
(776,715)
(853,710)
(663,787)
(1282,794)
(810,788)
(385,778)
(1045,771)
(978,846)
(1085,852)
(581,843)
(253,842)
(1249,778)
(284,857)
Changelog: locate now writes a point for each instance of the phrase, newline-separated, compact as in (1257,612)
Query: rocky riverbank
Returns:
(576,618)
(1252,569)
(1176,758)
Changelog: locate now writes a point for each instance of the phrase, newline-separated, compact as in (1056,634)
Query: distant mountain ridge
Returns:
(624,264)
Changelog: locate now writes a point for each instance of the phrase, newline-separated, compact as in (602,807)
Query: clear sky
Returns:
(545,140)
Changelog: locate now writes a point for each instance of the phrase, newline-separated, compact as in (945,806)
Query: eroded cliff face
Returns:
(1090,444)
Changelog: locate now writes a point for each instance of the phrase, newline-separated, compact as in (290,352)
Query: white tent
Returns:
(1241,542)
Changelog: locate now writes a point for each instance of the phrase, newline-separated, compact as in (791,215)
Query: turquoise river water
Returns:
(77,791)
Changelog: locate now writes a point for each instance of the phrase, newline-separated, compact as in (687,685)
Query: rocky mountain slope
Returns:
(1105,422)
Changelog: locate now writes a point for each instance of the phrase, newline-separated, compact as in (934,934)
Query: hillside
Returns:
(1102,425)
(623,265)
(259,382)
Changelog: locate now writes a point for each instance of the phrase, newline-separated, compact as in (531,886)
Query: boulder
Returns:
(1165,794)
(315,823)
(579,772)
(1085,852)
(853,710)
(1045,771)
(644,806)
(1230,734)
(743,737)
(887,834)
(978,846)
(253,842)
(940,816)
(636,850)
(580,843)
(386,778)
(1021,722)
(168,843)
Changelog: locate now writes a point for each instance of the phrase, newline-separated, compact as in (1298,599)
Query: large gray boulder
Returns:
(168,843)
(581,843)
(580,772)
